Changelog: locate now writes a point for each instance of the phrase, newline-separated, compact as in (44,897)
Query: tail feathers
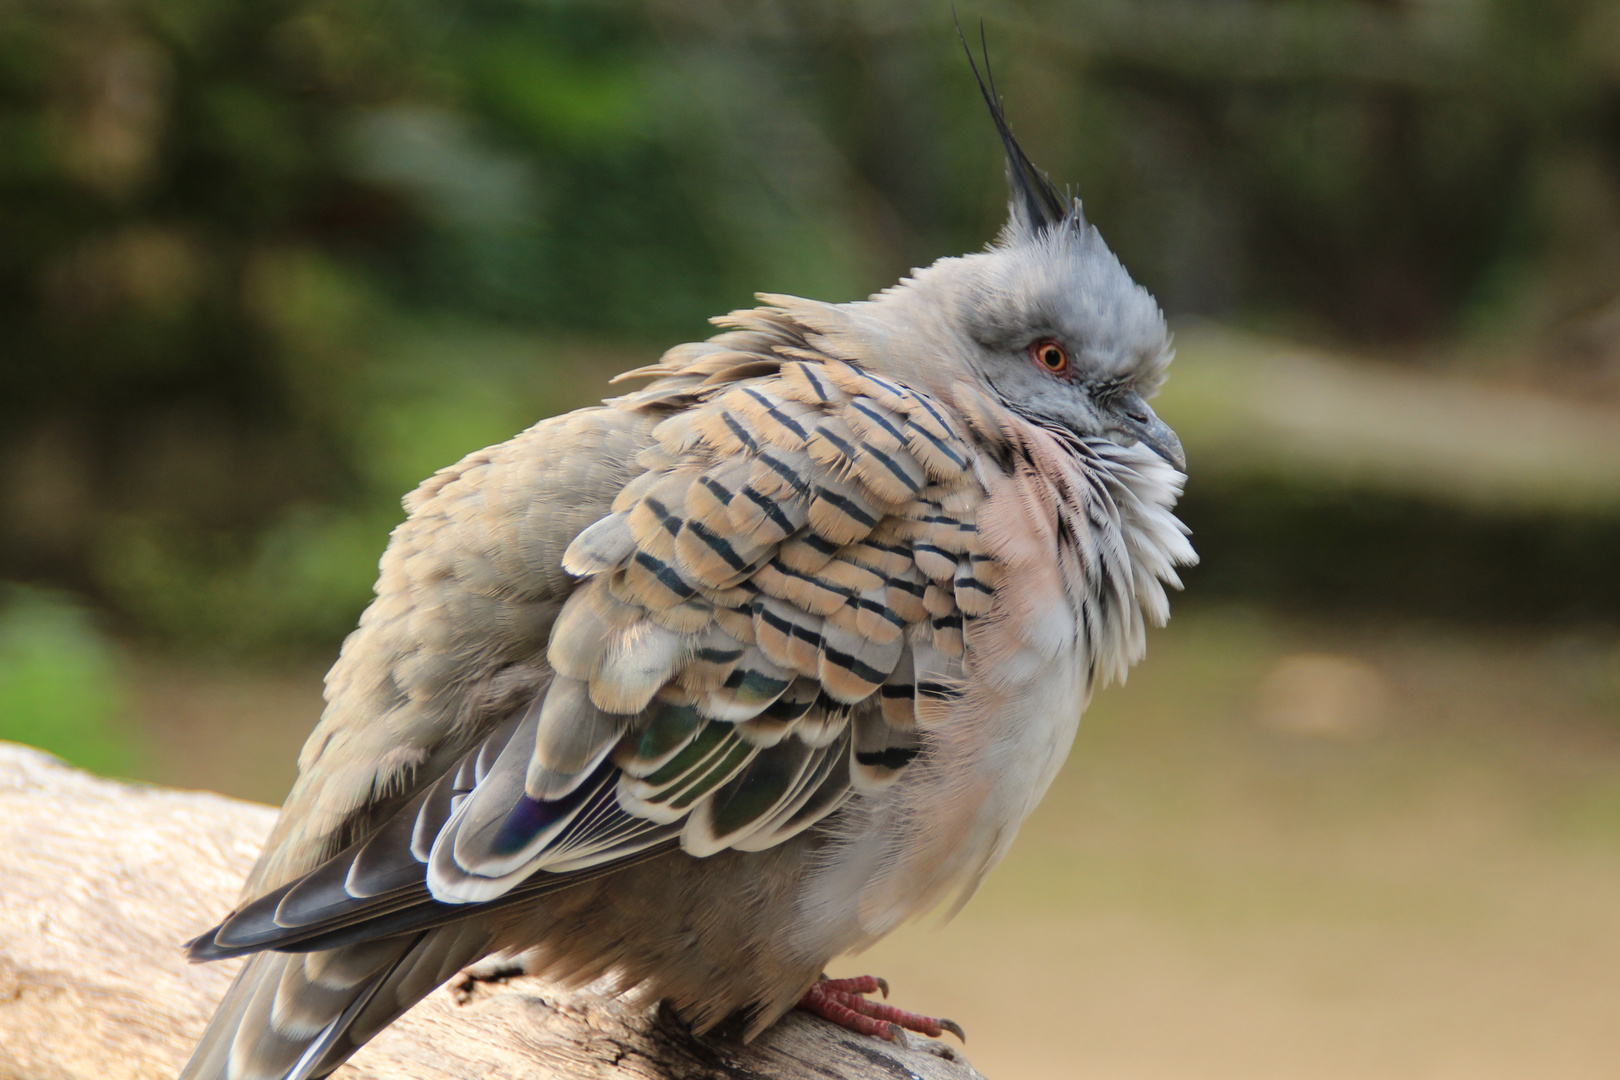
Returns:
(432,961)
(298,1016)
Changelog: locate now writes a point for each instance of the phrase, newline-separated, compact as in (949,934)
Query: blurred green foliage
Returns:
(60,685)
(265,266)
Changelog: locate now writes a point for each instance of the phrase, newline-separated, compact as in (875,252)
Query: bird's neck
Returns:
(1098,514)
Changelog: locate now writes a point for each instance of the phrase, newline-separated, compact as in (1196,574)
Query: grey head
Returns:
(1046,317)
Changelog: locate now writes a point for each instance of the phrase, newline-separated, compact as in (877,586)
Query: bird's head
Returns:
(1046,319)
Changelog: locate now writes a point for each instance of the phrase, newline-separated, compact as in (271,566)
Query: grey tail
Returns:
(1034,197)
(298,1016)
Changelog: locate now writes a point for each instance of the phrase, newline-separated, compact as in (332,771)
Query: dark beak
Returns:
(1135,418)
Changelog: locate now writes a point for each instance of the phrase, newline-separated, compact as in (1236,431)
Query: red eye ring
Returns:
(1050,356)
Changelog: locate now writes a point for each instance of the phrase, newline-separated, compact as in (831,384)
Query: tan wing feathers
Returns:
(857,382)
(808,383)
(714,653)
(737,621)
(853,666)
(884,465)
(848,577)
(806,553)
(841,512)
(905,593)
(934,559)
(766,509)
(789,635)
(898,694)
(776,419)
(760,532)
(811,523)
(808,590)
(948,633)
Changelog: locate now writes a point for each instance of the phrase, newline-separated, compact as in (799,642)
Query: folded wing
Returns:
(765,625)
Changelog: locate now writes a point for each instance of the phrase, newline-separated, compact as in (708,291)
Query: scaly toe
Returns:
(840,1001)
(860,984)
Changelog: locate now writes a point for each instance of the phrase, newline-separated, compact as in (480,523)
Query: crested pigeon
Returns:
(734,673)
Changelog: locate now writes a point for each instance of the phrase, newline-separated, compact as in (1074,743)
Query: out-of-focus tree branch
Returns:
(102,881)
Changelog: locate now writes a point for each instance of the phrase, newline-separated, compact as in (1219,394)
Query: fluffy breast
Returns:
(1082,542)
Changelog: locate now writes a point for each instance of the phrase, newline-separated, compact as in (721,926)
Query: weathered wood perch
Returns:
(100,882)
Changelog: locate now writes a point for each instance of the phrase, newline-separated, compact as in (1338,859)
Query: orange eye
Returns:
(1050,355)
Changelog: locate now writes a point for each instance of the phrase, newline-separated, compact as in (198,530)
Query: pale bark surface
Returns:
(101,881)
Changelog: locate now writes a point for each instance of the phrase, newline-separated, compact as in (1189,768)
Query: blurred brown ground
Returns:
(1405,865)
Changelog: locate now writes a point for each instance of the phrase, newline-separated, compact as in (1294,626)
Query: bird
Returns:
(734,673)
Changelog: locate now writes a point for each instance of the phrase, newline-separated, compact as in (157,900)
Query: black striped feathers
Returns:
(764,619)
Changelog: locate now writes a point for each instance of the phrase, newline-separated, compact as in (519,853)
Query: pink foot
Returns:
(840,1001)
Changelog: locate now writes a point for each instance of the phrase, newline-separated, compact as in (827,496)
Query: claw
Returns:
(840,1001)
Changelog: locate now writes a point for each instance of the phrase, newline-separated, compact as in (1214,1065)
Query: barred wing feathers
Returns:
(768,614)
(753,620)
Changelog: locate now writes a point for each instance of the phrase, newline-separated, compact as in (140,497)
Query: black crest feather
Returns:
(1031,190)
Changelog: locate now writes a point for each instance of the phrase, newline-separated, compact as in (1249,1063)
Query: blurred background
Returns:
(263,267)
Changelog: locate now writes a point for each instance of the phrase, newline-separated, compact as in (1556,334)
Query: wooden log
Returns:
(101,881)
